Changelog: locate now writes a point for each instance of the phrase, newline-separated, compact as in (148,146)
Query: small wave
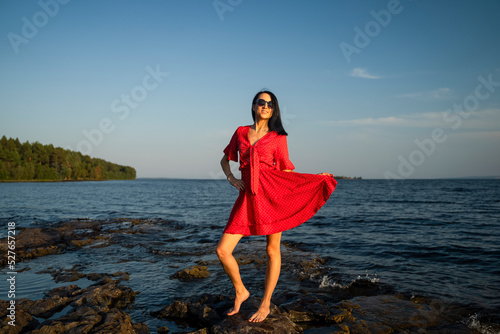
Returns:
(327,282)
(474,323)
(374,279)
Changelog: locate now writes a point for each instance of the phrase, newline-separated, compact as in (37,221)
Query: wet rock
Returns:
(47,307)
(274,324)
(366,314)
(89,320)
(66,275)
(115,321)
(360,287)
(64,291)
(195,272)
(389,314)
(176,310)
(141,328)
(199,331)
(107,296)
(204,313)
(96,309)
(121,276)
(32,243)
(307,308)
(32,238)
(95,276)
(82,320)
(357,307)
(163,330)
(195,311)
(72,235)
(208,313)
(200,312)
(23,320)
(81,243)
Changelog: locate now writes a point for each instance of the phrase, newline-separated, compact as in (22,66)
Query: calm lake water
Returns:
(438,238)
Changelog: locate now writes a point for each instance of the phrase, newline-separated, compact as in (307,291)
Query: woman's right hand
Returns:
(238,184)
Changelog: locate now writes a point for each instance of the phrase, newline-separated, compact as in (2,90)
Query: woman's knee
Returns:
(222,252)
(273,251)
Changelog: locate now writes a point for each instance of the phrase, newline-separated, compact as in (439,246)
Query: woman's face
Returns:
(262,110)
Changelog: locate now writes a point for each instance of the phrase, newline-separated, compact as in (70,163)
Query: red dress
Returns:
(273,201)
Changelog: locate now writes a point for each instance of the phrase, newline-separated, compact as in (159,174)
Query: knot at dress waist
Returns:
(254,168)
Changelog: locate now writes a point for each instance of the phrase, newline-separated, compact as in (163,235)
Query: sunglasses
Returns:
(261,103)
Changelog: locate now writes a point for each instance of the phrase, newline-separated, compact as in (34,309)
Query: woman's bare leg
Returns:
(225,249)
(272,275)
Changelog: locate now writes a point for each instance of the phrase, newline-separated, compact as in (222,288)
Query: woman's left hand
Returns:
(326,174)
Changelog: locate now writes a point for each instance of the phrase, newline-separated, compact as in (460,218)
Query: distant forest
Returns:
(348,177)
(28,162)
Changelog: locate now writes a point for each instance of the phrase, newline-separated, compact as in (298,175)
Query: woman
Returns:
(272,197)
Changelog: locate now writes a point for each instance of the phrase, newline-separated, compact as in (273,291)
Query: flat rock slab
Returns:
(209,311)
(360,315)
(390,314)
(274,324)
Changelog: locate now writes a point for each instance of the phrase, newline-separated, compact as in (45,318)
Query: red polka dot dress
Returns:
(273,201)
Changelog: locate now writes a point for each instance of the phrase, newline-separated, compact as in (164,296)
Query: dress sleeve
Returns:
(281,155)
(231,149)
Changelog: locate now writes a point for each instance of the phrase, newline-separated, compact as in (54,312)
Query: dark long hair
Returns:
(275,123)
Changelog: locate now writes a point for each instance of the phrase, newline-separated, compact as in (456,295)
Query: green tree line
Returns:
(26,162)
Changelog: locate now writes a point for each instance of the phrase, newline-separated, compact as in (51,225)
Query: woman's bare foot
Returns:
(261,314)
(238,300)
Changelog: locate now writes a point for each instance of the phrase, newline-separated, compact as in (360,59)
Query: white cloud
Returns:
(480,120)
(437,94)
(362,73)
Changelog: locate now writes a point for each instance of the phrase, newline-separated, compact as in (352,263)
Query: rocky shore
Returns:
(300,306)
(96,309)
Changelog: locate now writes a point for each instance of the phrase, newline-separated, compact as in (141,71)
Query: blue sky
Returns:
(378,89)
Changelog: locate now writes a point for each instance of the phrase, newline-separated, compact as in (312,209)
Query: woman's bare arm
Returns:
(226,168)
